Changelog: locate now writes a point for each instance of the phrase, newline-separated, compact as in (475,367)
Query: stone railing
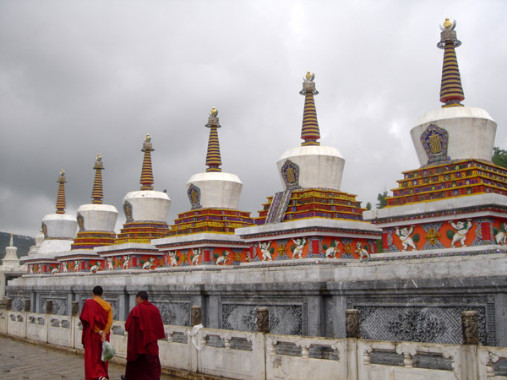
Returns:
(261,355)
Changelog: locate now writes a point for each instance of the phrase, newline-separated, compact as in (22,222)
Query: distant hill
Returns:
(22,242)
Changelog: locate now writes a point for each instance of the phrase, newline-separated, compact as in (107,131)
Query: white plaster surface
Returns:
(60,226)
(434,206)
(319,166)
(218,189)
(149,205)
(39,238)
(471,132)
(98,217)
(78,253)
(196,238)
(52,247)
(123,247)
(303,271)
(289,227)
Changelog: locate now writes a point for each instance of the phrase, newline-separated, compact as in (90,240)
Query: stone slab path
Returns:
(25,361)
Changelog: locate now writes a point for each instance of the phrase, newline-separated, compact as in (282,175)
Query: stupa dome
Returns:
(319,166)
(463,132)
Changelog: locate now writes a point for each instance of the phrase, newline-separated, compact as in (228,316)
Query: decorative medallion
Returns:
(290,175)
(80,222)
(435,141)
(127,209)
(44,229)
(433,236)
(194,195)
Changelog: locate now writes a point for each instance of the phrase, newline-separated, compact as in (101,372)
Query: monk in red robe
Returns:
(97,318)
(144,326)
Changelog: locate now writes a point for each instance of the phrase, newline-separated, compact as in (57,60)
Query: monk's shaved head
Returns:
(98,290)
(143,295)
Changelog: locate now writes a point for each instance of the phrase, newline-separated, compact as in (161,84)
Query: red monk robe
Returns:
(144,326)
(96,316)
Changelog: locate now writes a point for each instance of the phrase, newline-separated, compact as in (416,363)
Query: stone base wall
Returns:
(417,300)
(211,353)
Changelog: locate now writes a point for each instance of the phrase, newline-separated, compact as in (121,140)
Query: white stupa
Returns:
(145,207)
(205,234)
(58,231)
(59,228)
(146,214)
(319,166)
(311,218)
(10,260)
(454,131)
(96,223)
(214,188)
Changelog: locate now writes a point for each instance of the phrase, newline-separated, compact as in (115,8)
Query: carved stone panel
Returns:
(18,304)
(437,320)
(174,313)
(59,304)
(283,319)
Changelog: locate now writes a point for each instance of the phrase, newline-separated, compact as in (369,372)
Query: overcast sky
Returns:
(82,77)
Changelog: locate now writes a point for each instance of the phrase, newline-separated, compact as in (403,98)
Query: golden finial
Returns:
(99,157)
(448,25)
(309,76)
(147,138)
(214,112)
(61,177)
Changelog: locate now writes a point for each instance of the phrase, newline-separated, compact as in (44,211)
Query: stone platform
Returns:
(410,298)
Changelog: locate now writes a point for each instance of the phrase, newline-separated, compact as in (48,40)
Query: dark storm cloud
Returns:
(82,77)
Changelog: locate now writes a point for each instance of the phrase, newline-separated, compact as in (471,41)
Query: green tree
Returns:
(368,206)
(499,157)
(381,198)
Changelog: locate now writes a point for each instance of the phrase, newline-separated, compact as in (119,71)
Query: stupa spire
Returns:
(310,132)
(11,243)
(147,171)
(451,91)
(213,159)
(60,199)
(97,192)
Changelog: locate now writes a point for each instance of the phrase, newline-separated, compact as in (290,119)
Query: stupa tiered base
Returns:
(91,239)
(450,205)
(210,220)
(142,232)
(310,203)
(448,180)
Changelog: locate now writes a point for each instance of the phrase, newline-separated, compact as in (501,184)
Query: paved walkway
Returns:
(25,361)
